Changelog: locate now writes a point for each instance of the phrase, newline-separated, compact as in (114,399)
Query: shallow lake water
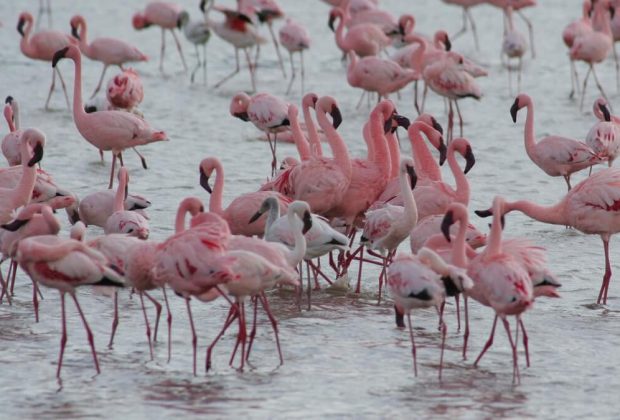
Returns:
(343,358)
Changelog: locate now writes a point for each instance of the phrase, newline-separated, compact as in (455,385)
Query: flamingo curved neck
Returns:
(494,242)
(459,255)
(215,203)
(554,214)
(410,217)
(119,198)
(462,185)
(79,114)
(303,148)
(296,255)
(20,195)
(377,137)
(422,156)
(24,43)
(528,135)
(273,215)
(394,149)
(337,145)
(313,135)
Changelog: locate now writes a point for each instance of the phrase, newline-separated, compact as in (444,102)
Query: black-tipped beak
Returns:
(436,125)
(307,222)
(330,22)
(470,158)
(14,225)
(399,317)
(443,152)
(126,191)
(38,155)
(58,55)
(20,26)
(179,23)
(8,100)
(448,44)
(89,109)
(605,112)
(401,30)
(448,220)
(484,213)
(514,109)
(387,126)
(612,12)
(336,116)
(402,121)
(242,116)
(74,216)
(255,217)
(503,221)
(74,32)
(203,5)
(204,182)
(413,178)
(245,18)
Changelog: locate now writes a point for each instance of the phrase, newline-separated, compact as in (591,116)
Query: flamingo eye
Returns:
(513,300)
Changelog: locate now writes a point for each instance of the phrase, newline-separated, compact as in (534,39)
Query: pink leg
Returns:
(274,323)
(233,313)
(89,333)
(444,329)
(13,276)
(169,321)
(466,334)
(525,340)
(381,278)
(241,337)
(105,67)
(602,295)
(63,337)
(194,337)
(112,171)
(489,342)
(115,320)
(157,310)
(146,322)
(457,301)
(413,351)
(5,290)
(35,301)
(516,378)
(359,272)
(253,331)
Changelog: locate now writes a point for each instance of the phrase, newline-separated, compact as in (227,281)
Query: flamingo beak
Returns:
(402,121)
(307,222)
(336,116)
(471,160)
(8,100)
(204,181)
(447,43)
(203,5)
(603,109)
(330,22)
(37,156)
(14,225)
(74,32)
(413,178)
(436,125)
(448,220)
(387,126)
(443,152)
(20,26)
(242,116)
(245,18)
(484,213)
(58,55)
(514,109)
(400,317)
(401,30)
(255,217)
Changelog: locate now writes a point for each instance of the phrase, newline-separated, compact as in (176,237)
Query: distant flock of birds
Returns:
(317,203)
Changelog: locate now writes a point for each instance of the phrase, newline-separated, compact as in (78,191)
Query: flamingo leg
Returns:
(194,337)
(516,377)
(163,50)
(600,88)
(64,88)
(115,319)
(415,97)
(63,336)
(229,76)
(277,45)
(583,90)
(463,28)
(450,121)
(204,63)
(466,333)
(105,68)
(274,323)
(520,71)
(303,72)
(457,301)
(530,30)
(176,41)
(525,340)
(52,86)
(359,271)
(567,179)
(617,67)
(359,103)
(146,322)
(424,93)
(489,342)
(35,301)
(290,83)
(142,158)
(251,68)
(157,310)
(602,295)
(169,321)
(111,184)
(198,64)
(444,329)
(458,111)
(233,313)
(89,333)
(253,330)
(413,349)
(473,28)
(381,278)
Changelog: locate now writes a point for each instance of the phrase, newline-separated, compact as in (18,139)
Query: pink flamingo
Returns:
(295,39)
(237,29)
(500,282)
(123,221)
(365,39)
(167,16)
(125,90)
(557,156)
(242,208)
(589,207)
(267,112)
(517,5)
(593,47)
(572,31)
(198,33)
(65,264)
(466,5)
(374,74)
(513,46)
(387,227)
(106,130)
(448,78)
(97,207)
(110,51)
(42,46)
(309,101)
(11,142)
(604,136)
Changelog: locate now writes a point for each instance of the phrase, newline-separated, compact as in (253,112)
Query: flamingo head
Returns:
(71,52)
(520,101)
(406,167)
(76,22)
(309,100)
(267,204)
(333,16)
(182,19)
(24,18)
(139,22)
(206,168)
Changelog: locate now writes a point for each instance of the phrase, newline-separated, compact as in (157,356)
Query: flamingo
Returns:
(167,16)
(42,46)
(110,51)
(500,282)
(198,33)
(267,112)
(45,8)
(97,207)
(11,142)
(593,47)
(589,207)
(517,5)
(123,221)
(572,31)
(309,101)
(557,156)
(242,208)
(65,264)
(466,5)
(365,39)
(513,46)
(386,228)
(295,39)
(106,130)
(604,136)
(125,91)
(237,29)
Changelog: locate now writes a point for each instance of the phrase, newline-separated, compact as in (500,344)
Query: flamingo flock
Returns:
(321,206)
